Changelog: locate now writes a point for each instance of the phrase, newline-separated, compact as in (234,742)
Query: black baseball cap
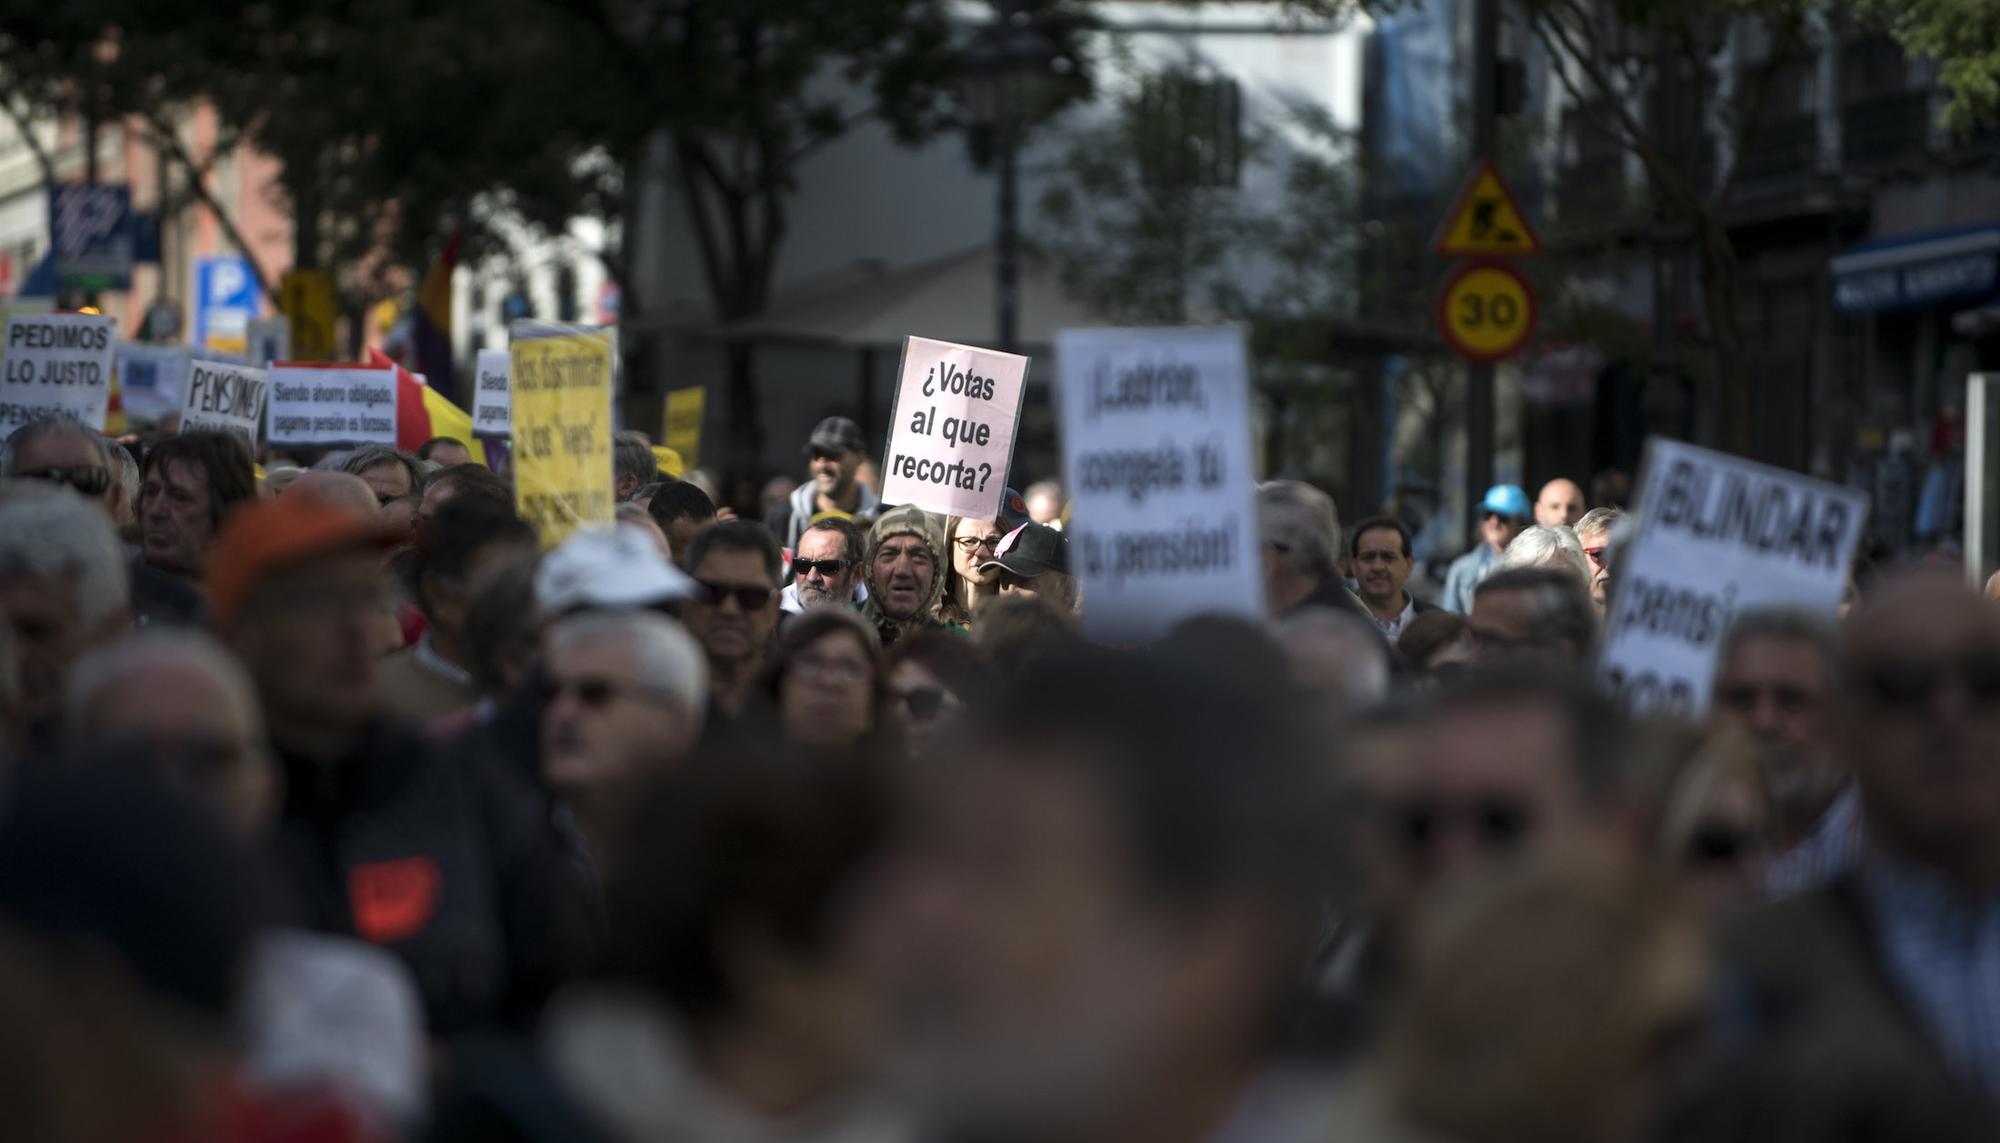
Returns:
(836,435)
(1031,550)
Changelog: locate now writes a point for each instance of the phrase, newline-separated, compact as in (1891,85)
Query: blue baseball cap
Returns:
(1506,500)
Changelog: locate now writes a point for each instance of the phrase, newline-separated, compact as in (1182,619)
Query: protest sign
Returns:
(226,397)
(326,404)
(151,378)
(683,427)
(1157,454)
(951,430)
(492,414)
(268,340)
(1716,535)
(561,380)
(57,363)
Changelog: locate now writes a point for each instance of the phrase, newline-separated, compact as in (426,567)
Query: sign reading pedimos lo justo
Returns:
(1157,455)
(951,432)
(316,403)
(1717,535)
(56,363)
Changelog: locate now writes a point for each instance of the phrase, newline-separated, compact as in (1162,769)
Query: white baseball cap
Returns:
(602,567)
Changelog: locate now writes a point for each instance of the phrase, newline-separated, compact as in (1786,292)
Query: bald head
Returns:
(1922,666)
(1338,658)
(342,488)
(177,699)
(1561,503)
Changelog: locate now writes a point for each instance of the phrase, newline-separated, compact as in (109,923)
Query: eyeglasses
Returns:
(828,568)
(970,544)
(923,703)
(839,670)
(1911,683)
(88,479)
(1499,824)
(595,692)
(748,597)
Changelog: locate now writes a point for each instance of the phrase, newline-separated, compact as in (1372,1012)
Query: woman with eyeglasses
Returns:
(928,680)
(969,582)
(824,676)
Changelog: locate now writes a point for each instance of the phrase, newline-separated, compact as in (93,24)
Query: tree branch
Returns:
(1624,125)
(165,137)
(27,133)
(1750,114)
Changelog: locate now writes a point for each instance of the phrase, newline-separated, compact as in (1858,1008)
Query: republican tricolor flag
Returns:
(422,412)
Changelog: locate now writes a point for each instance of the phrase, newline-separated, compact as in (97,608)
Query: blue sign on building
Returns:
(225,301)
(91,235)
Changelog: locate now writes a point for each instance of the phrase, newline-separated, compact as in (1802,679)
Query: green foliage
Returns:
(1963,36)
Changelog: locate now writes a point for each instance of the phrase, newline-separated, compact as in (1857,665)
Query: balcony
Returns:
(1886,130)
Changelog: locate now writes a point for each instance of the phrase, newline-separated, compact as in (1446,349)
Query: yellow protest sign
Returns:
(310,306)
(562,430)
(1486,220)
(683,427)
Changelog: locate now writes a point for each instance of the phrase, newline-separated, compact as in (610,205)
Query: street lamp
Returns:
(1011,75)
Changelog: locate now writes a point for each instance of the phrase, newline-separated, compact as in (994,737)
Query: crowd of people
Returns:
(334,808)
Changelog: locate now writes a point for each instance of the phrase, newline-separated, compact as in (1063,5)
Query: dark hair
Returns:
(1209,774)
(1019,631)
(749,839)
(452,539)
(473,479)
(1375,523)
(1596,725)
(854,545)
(1562,607)
(1427,634)
(959,663)
(425,449)
(632,455)
(368,456)
(679,500)
(803,631)
(500,622)
(736,536)
(221,457)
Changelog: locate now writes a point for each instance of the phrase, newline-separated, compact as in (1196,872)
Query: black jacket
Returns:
(443,860)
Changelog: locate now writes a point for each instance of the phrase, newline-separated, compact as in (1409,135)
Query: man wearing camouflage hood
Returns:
(904,576)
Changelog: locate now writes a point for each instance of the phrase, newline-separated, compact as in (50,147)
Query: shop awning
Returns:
(1946,269)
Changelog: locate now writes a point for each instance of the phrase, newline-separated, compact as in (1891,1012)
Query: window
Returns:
(1191,130)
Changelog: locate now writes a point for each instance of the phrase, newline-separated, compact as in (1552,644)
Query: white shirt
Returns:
(1393,628)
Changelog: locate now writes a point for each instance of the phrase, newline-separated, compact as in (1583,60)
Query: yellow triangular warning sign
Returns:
(1485,220)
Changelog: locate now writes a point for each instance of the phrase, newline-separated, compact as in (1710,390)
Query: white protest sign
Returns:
(57,363)
(226,397)
(951,430)
(151,378)
(1716,535)
(268,340)
(313,403)
(1156,452)
(492,398)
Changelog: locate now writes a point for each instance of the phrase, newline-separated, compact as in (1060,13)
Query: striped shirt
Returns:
(1942,949)
(1826,853)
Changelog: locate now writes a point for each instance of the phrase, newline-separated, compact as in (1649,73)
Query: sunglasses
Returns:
(748,597)
(828,568)
(596,692)
(1600,555)
(923,703)
(1499,824)
(1743,697)
(1015,580)
(88,479)
(1717,844)
(1912,683)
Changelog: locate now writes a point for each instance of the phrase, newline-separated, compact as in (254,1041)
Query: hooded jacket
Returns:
(907,520)
(790,520)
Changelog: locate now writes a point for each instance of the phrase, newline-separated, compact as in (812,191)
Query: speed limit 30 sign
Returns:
(1486,311)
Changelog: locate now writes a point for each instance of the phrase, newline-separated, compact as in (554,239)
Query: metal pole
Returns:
(1007,240)
(1479,414)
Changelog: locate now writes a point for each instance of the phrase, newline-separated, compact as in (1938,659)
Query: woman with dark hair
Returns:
(190,482)
(927,680)
(824,677)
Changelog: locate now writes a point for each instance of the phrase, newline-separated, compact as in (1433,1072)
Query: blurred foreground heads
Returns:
(1104,904)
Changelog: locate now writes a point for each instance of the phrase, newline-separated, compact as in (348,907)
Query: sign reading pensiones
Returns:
(492,410)
(226,397)
(56,363)
(1156,452)
(1716,536)
(561,380)
(312,404)
(951,432)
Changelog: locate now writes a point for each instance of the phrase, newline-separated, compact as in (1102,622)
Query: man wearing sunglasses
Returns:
(1594,533)
(826,569)
(834,453)
(1905,949)
(1502,516)
(736,564)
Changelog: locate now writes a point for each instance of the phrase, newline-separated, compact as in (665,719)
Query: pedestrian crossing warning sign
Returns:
(1486,221)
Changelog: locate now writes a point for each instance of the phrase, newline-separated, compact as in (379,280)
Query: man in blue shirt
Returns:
(1502,515)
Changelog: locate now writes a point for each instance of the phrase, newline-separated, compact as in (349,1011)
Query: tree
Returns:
(1964,37)
(1676,65)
